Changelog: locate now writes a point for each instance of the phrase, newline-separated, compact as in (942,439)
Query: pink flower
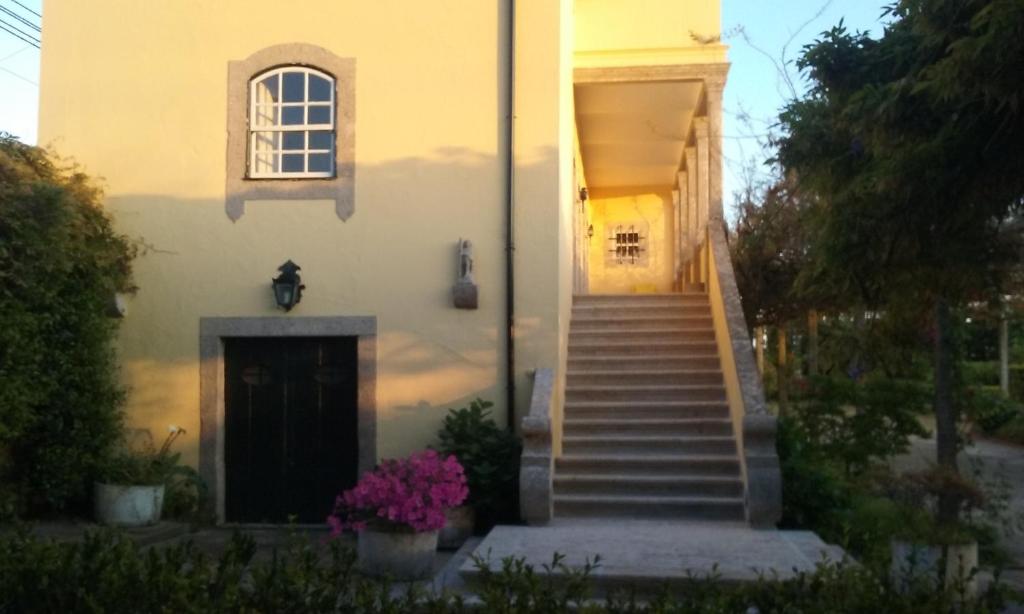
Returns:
(413,492)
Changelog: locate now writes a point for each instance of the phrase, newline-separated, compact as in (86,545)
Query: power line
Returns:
(25,79)
(20,18)
(27,9)
(25,38)
(18,28)
(11,55)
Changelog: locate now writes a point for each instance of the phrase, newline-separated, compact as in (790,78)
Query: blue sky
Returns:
(759,32)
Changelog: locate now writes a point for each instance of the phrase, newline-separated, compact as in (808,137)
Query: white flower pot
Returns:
(458,527)
(128,506)
(398,555)
(912,562)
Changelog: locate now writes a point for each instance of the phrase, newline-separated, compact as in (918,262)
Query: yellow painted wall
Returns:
(612,207)
(544,146)
(146,110)
(610,32)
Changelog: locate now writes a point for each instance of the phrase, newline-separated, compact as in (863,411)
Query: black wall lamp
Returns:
(590,231)
(288,286)
(584,194)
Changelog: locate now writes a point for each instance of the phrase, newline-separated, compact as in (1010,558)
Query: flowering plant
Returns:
(402,493)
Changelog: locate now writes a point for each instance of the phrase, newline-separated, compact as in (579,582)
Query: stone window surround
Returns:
(238,187)
(213,331)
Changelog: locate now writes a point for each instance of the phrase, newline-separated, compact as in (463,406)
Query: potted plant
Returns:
(490,455)
(131,491)
(397,511)
(927,547)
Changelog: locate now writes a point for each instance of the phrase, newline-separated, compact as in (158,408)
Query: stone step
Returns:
(633,444)
(599,310)
(653,377)
(626,362)
(633,323)
(611,484)
(629,425)
(676,298)
(634,507)
(703,348)
(648,465)
(615,410)
(632,394)
(641,337)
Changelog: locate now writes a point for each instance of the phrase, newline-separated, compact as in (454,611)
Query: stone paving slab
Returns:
(649,553)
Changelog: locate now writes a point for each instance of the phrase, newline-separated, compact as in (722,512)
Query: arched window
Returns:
(291,124)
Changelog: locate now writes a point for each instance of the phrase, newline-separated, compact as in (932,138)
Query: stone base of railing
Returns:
(764,475)
(536,469)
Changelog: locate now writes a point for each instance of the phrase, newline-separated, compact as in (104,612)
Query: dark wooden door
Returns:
(290,418)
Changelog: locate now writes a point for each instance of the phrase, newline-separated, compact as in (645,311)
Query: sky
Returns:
(765,38)
(760,33)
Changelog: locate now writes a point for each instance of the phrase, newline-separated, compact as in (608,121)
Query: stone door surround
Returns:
(213,331)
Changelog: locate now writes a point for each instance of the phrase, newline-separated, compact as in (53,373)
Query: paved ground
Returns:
(999,464)
(646,554)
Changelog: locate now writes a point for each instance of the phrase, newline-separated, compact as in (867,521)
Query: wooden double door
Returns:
(291,427)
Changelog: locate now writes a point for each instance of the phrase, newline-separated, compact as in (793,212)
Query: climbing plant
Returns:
(61,262)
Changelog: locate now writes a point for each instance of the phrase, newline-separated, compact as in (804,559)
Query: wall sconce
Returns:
(288,286)
(590,231)
(584,194)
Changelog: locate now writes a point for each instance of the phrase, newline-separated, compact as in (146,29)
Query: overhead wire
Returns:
(20,18)
(22,36)
(27,9)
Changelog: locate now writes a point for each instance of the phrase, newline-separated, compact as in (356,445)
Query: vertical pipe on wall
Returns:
(510,348)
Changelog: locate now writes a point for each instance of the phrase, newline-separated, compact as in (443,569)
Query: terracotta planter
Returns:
(398,555)
(459,522)
(912,561)
(121,505)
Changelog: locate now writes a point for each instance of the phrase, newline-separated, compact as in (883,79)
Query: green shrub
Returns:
(60,264)
(857,424)
(976,373)
(107,572)
(1017,383)
(989,410)
(490,455)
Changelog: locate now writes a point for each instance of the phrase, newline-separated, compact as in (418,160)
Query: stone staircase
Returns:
(646,430)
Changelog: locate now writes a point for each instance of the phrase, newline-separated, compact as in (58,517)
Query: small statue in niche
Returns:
(465,290)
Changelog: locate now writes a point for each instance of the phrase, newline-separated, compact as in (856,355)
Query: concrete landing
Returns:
(646,554)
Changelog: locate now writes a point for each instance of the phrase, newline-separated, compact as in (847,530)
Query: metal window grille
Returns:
(628,245)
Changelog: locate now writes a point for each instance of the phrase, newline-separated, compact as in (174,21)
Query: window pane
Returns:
(294,87)
(294,140)
(265,115)
(265,162)
(265,91)
(321,139)
(320,163)
(320,114)
(265,141)
(292,116)
(292,163)
(319,88)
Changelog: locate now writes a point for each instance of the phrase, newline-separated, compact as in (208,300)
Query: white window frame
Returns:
(278,127)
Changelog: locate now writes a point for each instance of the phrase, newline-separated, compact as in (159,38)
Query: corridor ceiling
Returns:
(634,134)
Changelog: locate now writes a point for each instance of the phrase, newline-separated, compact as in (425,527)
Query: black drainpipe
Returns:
(510,218)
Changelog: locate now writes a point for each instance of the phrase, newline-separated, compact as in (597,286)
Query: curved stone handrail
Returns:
(537,465)
(756,427)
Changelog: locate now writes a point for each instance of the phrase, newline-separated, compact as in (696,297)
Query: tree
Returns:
(912,144)
(60,264)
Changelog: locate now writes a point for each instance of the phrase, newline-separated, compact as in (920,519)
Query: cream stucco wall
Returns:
(647,32)
(146,111)
(652,207)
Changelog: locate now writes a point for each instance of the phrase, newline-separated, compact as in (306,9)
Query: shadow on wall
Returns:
(395,259)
